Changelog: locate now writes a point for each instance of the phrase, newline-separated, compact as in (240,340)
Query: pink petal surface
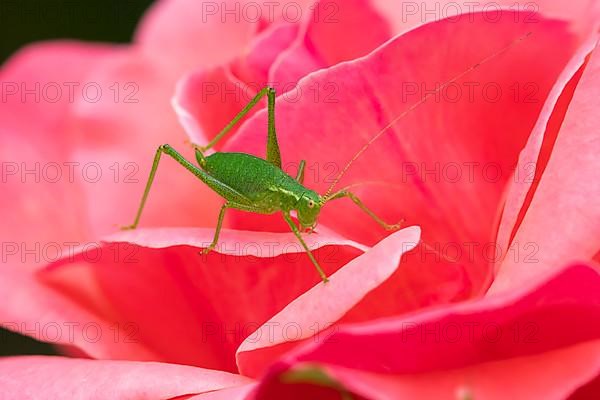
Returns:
(158,293)
(36,185)
(324,305)
(318,43)
(103,152)
(33,309)
(550,313)
(581,14)
(63,61)
(61,378)
(532,161)
(301,391)
(254,66)
(236,393)
(588,391)
(208,99)
(561,221)
(468,133)
(189,33)
(530,377)
(521,339)
(117,133)
(122,138)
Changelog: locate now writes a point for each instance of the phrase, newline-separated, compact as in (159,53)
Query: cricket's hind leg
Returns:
(230,194)
(300,174)
(272,146)
(273,152)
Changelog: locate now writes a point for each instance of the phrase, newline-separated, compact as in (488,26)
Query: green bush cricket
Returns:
(253,184)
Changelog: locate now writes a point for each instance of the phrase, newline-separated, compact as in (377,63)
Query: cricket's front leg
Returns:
(233,205)
(294,228)
(344,193)
(212,246)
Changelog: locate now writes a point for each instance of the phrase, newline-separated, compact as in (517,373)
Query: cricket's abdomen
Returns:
(259,180)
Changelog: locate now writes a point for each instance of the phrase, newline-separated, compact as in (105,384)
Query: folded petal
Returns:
(536,376)
(534,157)
(533,331)
(323,306)
(560,222)
(34,309)
(280,55)
(352,22)
(156,292)
(254,66)
(208,99)
(56,377)
(547,314)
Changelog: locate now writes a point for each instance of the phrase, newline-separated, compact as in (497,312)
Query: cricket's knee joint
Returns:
(351,195)
(164,147)
(271,89)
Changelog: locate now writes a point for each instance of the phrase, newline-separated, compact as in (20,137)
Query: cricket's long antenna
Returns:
(417,104)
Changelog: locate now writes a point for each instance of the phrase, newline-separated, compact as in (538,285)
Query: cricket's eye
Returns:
(311,204)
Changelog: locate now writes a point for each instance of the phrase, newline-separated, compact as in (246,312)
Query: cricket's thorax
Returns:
(259,180)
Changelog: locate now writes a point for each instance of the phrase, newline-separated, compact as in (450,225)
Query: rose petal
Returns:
(324,305)
(56,377)
(581,14)
(236,393)
(467,348)
(192,33)
(253,67)
(120,139)
(158,293)
(561,223)
(42,91)
(353,22)
(207,100)
(535,376)
(35,142)
(535,155)
(33,309)
(542,315)
(465,135)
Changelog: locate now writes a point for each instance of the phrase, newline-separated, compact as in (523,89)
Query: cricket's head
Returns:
(308,209)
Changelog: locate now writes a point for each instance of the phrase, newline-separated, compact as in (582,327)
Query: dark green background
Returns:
(26,21)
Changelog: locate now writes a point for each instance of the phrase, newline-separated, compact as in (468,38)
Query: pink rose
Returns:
(491,290)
